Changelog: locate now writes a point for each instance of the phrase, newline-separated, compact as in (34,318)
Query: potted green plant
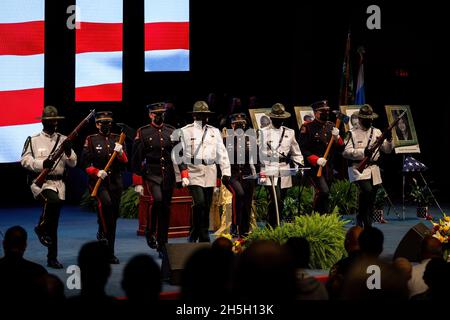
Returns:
(422,197)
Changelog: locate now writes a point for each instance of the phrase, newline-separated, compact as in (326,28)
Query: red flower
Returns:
(436,227)
(429,217)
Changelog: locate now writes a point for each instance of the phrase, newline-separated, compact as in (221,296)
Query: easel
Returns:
(273,175)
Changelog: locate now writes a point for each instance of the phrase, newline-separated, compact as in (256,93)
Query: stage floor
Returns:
(77,227)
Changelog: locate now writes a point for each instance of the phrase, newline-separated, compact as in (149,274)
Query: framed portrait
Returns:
(404,133)
(350,112)
(303,114)
(259,118)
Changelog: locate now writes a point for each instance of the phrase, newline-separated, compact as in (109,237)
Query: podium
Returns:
(180,212)
(276,173)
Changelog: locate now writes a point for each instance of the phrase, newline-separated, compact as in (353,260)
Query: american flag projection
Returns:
(21,74)
(166,35)
(99,48)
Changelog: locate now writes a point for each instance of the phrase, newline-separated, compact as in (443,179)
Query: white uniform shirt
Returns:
(37,150)
(354,150)
(207,146)
(272,146)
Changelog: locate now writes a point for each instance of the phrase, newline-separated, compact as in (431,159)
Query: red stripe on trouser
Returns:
(21,106)
(22,39)
(149,213)
(100,213)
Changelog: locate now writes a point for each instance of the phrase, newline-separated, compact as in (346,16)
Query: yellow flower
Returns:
(438,236)
(226,235)
(447,218)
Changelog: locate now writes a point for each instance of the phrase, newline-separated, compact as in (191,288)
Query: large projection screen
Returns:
(21,74)
(166,35)
(99,50)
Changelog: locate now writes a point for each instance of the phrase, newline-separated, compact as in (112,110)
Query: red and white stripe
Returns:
(21,73)
(166,35)
(99,50)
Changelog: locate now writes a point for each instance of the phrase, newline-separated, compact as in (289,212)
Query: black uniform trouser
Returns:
(160,213)
(202,198)
(367,194)
(242,191)
(108,212)
(48,221)
(272,212)
(322,194)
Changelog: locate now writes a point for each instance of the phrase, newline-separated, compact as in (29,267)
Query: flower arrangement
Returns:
(441,231)
(237,242)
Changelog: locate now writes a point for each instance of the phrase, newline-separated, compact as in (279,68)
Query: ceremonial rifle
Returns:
(56,155)
(365,161)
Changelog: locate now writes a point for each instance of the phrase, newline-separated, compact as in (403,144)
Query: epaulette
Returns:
(169,126)
(188,126)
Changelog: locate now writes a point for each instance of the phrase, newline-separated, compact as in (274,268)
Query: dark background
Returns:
(281,51)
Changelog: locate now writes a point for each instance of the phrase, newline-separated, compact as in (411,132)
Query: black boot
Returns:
(54,263)
(44,239)
(151,239)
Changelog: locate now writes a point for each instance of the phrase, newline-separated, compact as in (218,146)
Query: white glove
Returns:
(119,149)
(335,132)
(321,162)
(139,189)
(184,182)
(35,190)
(102,174)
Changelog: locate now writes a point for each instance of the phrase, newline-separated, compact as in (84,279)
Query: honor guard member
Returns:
(98,149)
(203,149)
(243,153)
(277,149)
(314,138)
(357,147)
(35,158)
(152,165)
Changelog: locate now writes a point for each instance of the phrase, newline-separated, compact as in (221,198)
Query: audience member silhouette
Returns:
(430,248)
(340,268)
(308,287)
(51,290)
(222,243)
(437,278)
(207,276)
(371,242)
(142,280)
(93,260)
(404,267)
(18,276)
(265,272)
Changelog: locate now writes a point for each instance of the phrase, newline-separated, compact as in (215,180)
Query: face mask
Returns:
(323,116)
(239,125)
(202,119)
(277,122)
(366,123)
(158,119)
(105,128)
(49,127)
